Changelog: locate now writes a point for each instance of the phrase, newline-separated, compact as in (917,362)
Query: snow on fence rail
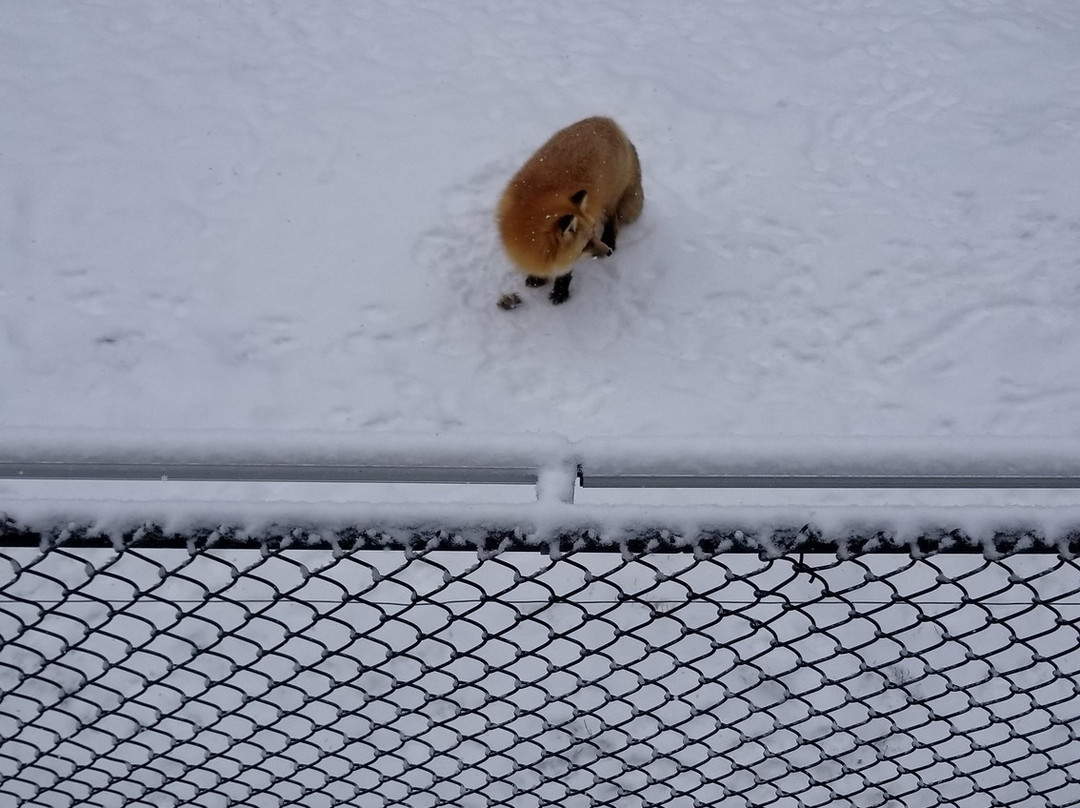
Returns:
(355,668)
(562,472)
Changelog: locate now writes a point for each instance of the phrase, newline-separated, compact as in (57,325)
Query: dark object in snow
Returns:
(611,229)
(561,290)
(510,301)
(535,281)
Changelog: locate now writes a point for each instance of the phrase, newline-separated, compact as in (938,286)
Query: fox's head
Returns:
(546,236)
(579,231)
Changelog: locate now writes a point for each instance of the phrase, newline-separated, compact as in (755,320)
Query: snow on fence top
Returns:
(561,471)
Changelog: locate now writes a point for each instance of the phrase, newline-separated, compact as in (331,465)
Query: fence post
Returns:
(555,482)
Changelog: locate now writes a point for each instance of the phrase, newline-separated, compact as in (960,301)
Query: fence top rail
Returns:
(557,468)
(513,475)
(523,459)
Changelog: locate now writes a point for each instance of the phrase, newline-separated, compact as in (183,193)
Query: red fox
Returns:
(568,199)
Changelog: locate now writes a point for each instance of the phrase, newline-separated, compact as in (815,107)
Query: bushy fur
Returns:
(570,198)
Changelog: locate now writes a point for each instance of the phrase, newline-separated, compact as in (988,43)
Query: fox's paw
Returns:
(535,281)
(560,292)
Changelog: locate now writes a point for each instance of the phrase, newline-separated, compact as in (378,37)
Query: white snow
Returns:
(860,219)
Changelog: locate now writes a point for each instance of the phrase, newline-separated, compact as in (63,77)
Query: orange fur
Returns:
(546,221)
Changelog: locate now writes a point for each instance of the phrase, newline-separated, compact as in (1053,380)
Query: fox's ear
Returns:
(567,224)
(579,198)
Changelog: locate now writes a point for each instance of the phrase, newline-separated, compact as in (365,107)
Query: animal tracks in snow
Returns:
(268,339)
(860,217)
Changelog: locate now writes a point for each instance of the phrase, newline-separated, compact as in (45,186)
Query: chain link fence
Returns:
(322,669)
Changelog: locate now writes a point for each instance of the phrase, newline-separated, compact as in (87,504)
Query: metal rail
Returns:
(554,465)
(464,473)
(240,471)
(840,481)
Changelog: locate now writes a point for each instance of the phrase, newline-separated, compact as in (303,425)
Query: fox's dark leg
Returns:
(611,230)
(535,281)
(561,290)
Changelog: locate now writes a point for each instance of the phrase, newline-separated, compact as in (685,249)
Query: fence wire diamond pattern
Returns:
(316,673)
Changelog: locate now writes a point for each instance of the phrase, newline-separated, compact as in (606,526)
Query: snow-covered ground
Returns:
(861,218)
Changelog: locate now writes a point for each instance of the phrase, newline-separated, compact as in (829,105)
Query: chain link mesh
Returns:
(321,671)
